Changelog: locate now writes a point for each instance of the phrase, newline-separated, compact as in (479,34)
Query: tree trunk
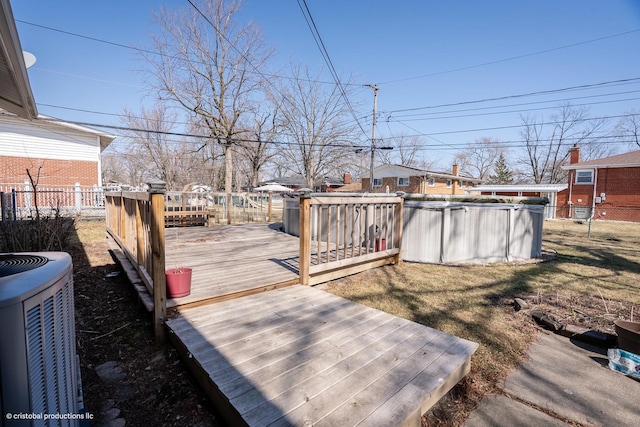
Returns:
(228,169)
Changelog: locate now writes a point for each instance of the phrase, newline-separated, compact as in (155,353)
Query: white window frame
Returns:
(449,183)
(579,181)
(401,180)
(432,182)
(377,182)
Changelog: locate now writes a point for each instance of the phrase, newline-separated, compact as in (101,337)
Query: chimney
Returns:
(454,182)
(574,154)
(347,178)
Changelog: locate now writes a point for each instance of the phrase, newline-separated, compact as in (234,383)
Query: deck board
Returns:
(229,260)
(298,355)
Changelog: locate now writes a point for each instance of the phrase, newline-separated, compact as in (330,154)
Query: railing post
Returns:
(305,236)
(398,226)
(157,190)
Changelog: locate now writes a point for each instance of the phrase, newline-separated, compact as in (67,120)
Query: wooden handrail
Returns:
(340,235)
(135,221)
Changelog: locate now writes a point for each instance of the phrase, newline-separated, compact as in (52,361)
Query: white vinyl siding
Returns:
(41,140)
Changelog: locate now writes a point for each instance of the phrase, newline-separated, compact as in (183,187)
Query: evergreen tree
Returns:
(502,173)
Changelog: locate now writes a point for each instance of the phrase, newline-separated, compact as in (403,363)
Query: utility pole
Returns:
(373,133)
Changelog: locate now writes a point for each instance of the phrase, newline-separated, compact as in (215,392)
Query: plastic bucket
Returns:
(381,244)
(178,282)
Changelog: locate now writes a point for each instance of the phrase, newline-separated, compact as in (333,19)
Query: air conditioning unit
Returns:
(38,364)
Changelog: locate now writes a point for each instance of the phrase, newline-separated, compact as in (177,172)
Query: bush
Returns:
(42,233)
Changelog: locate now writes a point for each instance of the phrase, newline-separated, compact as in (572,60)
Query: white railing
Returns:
(20,201)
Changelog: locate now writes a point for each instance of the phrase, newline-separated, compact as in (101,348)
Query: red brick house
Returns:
(607,188)
(393,178)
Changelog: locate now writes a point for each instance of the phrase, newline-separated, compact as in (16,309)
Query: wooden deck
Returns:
(269,351)
(300,356)
(231,261)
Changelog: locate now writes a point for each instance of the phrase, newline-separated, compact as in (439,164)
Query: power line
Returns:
(141,50)
(522,95)
(512,58)
(189,135)
(325,55)
(462,110)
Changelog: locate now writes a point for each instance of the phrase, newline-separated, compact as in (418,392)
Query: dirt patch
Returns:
(111,326)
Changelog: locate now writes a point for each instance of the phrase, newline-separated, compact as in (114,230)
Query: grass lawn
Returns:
(476,302)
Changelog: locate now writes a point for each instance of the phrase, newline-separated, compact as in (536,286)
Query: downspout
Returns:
(570,202)
(593,200)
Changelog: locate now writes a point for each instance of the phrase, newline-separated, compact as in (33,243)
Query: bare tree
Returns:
(318,132)
(404,150)
(259,148)
(547,144)
(479,158)
(628,129)
(207,65)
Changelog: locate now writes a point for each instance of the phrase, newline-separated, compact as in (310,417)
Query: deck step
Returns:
(302,356)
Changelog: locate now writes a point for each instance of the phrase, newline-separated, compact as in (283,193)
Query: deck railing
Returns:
(135,220)
(200,208)
(342,235)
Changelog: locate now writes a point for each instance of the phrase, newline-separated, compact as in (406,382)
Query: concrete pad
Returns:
(500,411)
(572,380)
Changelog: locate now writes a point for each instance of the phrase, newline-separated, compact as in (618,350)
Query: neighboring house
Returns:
(550,191)
(607,188)
(54,152)
(392,178)
(338,185)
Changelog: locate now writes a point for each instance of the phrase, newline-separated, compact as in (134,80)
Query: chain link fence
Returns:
(605,223)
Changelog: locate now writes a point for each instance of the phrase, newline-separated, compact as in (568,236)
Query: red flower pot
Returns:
(178,282)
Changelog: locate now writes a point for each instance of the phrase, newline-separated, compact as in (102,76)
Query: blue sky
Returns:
(420,54)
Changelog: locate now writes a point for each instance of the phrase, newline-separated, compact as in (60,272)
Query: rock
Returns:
(520,304)
(546,320)
(110,372)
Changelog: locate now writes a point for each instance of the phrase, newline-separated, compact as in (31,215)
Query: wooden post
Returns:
(140,252)
(398,226)
(270,207)
(157,190)
(123,219)
(305,237)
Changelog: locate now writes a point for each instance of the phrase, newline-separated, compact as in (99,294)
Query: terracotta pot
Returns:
(178,282)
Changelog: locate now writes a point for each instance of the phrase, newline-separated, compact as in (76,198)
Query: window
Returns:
(449,183)
(377,182)
(432,182)
(584,177)
(403,182)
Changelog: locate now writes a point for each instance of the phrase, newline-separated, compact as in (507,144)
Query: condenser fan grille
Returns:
(14,264)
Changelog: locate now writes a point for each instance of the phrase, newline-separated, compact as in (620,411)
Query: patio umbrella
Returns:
(273,188)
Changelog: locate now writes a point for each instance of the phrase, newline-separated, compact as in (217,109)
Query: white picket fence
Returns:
(19,201)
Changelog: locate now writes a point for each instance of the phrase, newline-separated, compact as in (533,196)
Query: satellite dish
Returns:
(29,58)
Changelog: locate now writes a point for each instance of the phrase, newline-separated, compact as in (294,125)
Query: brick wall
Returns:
(414,187)
(52,172)
(622,195)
